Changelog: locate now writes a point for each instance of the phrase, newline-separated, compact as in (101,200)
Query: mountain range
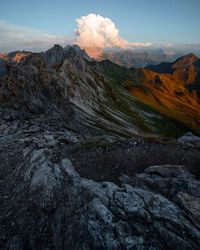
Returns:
(137,58)
(95,155)
(157,100)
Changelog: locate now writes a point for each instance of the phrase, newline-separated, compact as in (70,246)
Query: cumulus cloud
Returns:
(100,32)
(15,37)
(94,32)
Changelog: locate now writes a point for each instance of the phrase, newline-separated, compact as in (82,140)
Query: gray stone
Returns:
(190,139)
(191,205)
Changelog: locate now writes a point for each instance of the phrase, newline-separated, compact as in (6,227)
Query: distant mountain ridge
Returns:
(131,58)
(169,67)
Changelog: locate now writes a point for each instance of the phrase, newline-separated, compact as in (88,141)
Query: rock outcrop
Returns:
(30,87)
(54,56)
(46,204)
(190,139)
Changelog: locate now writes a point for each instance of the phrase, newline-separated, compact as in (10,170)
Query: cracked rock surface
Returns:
(46,204)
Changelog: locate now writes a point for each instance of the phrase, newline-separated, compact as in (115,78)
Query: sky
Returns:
(39,23)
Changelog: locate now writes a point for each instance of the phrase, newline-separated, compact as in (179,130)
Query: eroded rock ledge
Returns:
(52,207)
(46,203)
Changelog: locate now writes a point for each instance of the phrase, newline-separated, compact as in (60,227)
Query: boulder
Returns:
(190,139)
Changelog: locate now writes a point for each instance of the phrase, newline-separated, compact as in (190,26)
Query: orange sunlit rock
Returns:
(3,56)
(19,56)
(168,93)
(94,52)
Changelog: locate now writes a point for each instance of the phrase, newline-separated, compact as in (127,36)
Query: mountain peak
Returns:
(55,49)
(185,60)
(57,54)
(57,46)
(54,55)
(75,49)
(14,56)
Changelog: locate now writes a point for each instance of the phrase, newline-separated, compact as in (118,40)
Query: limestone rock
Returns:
(190,139)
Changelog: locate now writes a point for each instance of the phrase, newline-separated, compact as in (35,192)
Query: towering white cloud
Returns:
(94,32)
(100,32)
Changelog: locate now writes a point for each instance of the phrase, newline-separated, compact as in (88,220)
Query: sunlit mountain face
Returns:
(15,56)
(173,88)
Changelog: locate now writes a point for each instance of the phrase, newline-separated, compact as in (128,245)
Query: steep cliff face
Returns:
(30,87)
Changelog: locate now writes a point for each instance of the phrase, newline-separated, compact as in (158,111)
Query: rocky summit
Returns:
(86,164)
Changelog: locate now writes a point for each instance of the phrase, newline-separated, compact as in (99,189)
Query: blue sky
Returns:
(155,21)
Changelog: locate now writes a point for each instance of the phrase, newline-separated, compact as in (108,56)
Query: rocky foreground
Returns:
(46,203)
